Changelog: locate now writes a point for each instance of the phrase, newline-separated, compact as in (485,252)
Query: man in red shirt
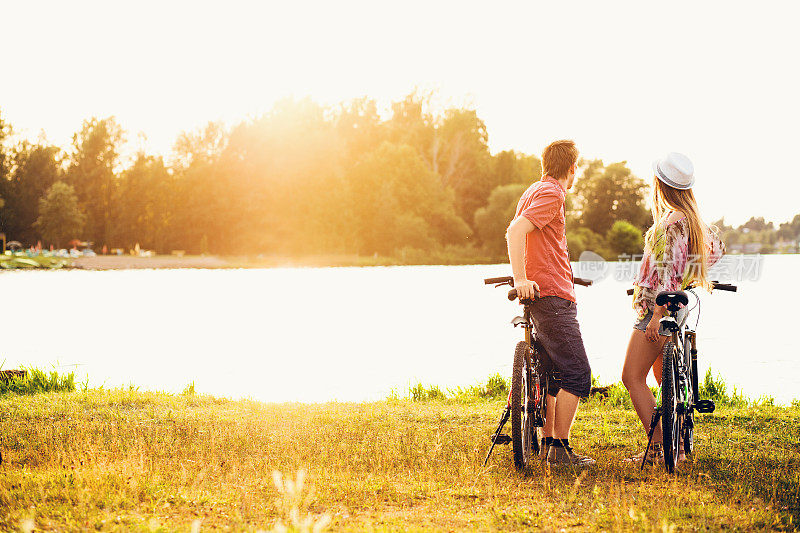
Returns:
(537,249)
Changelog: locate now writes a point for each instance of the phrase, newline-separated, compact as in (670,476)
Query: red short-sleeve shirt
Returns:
(546,254)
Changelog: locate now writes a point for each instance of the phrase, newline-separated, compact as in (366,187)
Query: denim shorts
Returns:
(680,317)
(558,333)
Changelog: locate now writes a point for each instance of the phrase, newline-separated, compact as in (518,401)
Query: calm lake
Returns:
(318,334)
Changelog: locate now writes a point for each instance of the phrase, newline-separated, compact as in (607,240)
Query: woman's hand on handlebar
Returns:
(525,288)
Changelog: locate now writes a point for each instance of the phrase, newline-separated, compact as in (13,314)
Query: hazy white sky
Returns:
(627,80)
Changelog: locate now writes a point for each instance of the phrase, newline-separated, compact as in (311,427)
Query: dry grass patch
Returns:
(128,460)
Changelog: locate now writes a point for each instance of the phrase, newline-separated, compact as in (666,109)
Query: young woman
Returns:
(679,248)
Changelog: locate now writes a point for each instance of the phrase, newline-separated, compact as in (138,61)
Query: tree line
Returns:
(305,179)
(758,235)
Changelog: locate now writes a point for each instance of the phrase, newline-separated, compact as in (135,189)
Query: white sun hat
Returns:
(676,170)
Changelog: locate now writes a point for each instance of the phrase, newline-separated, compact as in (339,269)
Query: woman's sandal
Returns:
(655,455)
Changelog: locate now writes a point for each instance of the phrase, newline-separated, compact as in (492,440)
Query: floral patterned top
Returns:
(665,263)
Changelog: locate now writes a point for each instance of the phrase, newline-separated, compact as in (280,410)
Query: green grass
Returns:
(126,460)
(495,388)
(20,260)
(37,381)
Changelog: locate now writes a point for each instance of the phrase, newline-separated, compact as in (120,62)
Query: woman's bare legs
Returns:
(639,358)
(658,367)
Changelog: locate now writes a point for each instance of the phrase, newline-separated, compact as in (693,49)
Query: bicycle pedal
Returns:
(501,439)
(705,406)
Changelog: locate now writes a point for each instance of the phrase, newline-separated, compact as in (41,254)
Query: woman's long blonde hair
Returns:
(666,199)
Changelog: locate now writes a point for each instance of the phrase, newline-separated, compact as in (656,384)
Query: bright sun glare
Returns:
(630,82)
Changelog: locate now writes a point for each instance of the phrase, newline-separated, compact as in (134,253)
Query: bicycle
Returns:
(678,397)
(526,405)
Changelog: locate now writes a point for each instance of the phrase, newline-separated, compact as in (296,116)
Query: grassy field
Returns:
(141,461)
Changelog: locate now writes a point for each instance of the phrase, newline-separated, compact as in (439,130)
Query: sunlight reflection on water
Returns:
(317,334)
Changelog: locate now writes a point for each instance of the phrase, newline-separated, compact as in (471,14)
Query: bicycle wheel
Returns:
(521,415)
(688,418)
(670,424)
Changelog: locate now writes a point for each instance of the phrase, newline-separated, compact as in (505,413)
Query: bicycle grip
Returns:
(512,294)
(582,281)
(629,292)
(725,287)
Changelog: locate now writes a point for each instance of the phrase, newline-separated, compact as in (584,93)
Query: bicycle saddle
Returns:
(673,300)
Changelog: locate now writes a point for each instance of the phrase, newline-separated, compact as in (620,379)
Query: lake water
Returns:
(322,334)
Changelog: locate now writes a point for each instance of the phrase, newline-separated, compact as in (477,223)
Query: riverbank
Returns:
(124,262)
(140,461)
(450,257)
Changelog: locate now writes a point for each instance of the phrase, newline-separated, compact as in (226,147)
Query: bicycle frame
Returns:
(526,321)
(533,381)
(688,392)
(684,382)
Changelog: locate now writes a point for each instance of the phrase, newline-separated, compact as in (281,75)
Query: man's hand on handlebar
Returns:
(525,288)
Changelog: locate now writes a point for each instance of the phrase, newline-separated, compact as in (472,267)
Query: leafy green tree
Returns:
(605,194)
(789,231)
(460,155)
(509,166)
(624,239)
(412,124)
(60,217)
(5,131)
(785,231)
(34,168)
(92,173)
(283,182)
(795,224)
(359,126)
(492,220)
(585,240)
(756,224)
(202,201)
(396,200)
(143,205)
(455,146)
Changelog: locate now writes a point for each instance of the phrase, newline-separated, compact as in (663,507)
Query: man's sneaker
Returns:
(563,455)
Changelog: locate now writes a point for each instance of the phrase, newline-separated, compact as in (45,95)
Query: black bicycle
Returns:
(679,396)
(527,400)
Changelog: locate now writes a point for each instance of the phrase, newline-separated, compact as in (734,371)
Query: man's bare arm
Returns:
(515,237)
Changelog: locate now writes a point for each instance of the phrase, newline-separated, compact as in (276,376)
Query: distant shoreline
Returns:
(126,262)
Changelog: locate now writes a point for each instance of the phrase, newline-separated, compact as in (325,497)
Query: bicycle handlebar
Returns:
(504,279)
(512,294)
(717,285)
(510,281)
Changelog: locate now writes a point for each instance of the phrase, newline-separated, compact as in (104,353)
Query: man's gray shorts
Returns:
(556,323)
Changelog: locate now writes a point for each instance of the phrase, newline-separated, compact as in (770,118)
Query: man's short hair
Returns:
(558,157)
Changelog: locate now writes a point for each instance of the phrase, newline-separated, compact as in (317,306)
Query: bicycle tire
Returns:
(670,425)
(521,427)
(688,418)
